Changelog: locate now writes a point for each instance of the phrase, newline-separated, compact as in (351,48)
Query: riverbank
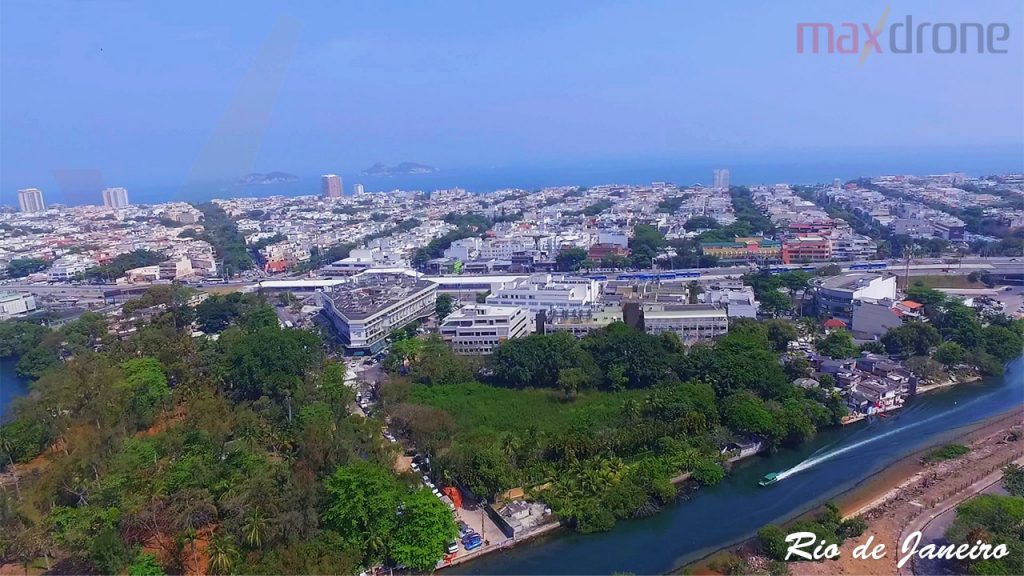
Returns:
(895,497)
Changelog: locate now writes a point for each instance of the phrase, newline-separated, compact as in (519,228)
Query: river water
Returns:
(835,461)
(11,385)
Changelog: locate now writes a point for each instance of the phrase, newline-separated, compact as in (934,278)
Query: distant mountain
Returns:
(268,178)
(403,169)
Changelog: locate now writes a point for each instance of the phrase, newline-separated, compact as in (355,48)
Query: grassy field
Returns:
(942,281)
(484,409)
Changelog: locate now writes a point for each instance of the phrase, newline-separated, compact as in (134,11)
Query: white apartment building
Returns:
(692,322)
(504,248)
(66,268)
(369,307)
(115,197)
(851,247)
(478,328)
(556,293)
(31,200)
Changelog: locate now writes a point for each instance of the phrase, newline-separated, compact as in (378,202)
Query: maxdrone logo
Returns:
(905,36)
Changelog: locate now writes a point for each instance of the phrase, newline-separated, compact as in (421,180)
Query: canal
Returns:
(11,385)
(835,461)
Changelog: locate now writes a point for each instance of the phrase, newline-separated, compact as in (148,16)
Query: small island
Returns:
(403,169)
(268,178)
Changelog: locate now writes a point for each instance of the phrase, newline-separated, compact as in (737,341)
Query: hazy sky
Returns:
(158,92)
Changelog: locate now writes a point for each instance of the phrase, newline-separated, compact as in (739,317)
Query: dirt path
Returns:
(915,500)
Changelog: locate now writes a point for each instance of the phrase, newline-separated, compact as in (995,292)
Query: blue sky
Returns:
(160,92)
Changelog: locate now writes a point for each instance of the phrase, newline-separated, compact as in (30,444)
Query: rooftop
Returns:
(366,295)
(849,281)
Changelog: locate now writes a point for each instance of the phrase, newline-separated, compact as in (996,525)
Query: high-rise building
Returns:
(722,178)
(115,197)
(357,189)
(331,186)
(31,200)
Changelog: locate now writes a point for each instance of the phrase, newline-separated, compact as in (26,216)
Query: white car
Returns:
(415,467)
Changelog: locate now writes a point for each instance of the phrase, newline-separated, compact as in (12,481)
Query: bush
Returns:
(708,473)
(773,541)
(947,452)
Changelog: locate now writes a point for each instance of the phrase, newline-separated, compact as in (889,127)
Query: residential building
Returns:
(330,185)
(721,178)
(692,322)
(851,247)
(357,189)
(31,200)
(744,249)
(835,296)
(810,248)
(115,197)
(175,269)
(69,267)
(369,307)
(478,328)
(16,305)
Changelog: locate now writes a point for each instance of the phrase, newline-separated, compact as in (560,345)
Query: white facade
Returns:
(66,268)
(31,200)
(549,292)
(692,322)
(115,197)
(366,309)
(16,304)
(721,178)
(479,328)
(835,295)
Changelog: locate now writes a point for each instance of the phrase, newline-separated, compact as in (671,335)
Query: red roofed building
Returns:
(834,323)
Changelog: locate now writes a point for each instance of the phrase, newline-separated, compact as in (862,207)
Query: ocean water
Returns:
(793,168)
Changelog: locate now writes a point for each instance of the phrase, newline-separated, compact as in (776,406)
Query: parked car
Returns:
(453,547)
(472,542)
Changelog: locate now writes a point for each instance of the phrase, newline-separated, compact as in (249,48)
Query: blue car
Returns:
(472,542)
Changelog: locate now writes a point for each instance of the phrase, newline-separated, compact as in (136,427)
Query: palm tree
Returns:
(631,410)
(223,555)
(255,528)
(510,446)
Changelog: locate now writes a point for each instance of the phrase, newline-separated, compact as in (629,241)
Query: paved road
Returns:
(933,526)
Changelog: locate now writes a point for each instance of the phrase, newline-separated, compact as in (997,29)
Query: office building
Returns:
(692,322)
(369,307)
(477,329)
(721,178)
(31,200)
(357,189)
(835,296)
(115,197)
(69,267)
(16,305)
(552,293)
(331,186)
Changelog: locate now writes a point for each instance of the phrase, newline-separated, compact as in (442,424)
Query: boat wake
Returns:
(815,460)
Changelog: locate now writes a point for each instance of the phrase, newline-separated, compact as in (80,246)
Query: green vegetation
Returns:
(956,334)
(827,525)
(1013,479)
(21,267)
(124,262)
(162,453)
(993,520)
(947,452)
(646,245)
(228,243)
(596,208)
(264,242)
(443,306)
(607,421)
